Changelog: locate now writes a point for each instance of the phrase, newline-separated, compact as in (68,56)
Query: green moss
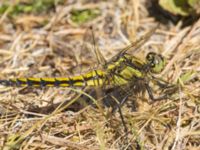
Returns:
(33,6)
(83,16)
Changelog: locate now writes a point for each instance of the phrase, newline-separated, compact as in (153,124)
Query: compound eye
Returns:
(156,62)
(150,56)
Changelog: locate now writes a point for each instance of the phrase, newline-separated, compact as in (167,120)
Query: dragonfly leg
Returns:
(122,118)
(118,106)
(149,90)
(164,85)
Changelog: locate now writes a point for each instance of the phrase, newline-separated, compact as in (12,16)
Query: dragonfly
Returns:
(123,71)
(120,72)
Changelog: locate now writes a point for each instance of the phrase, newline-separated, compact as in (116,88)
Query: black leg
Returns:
(119,105)
(122,118)
(164,85)
(149,90)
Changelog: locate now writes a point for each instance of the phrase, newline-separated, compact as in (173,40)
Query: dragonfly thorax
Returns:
(125,69)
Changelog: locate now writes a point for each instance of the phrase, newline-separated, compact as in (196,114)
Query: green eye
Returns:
(156,62)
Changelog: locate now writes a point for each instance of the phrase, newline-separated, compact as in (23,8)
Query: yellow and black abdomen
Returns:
(93,78)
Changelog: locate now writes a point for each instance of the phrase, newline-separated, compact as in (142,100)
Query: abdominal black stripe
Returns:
(20,82)
(12,83)
(33,82)
(85,81)
(44,82)
(57,82)
(70,82)
(6,82)
(97,77)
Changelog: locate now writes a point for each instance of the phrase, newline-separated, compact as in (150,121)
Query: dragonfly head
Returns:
(155,62)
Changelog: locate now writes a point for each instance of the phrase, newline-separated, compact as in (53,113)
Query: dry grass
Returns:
(51,44)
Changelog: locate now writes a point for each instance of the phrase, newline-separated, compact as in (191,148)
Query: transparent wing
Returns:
(100,58)
(89,43)
(136,44)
